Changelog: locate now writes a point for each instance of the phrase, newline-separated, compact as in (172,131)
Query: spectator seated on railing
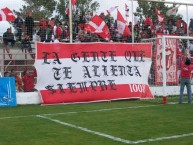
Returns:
(8,37)
(26,44)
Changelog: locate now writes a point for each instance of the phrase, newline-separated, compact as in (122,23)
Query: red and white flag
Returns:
(98,26)
(121,25)
(172,11)
(126,10)
(73,2)
(111,9)
(170,62)
(159,15)
(6,15)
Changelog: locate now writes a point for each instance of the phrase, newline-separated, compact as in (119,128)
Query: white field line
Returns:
(88,111)
(113,137)
(87,130)
(163,138)
(13,117)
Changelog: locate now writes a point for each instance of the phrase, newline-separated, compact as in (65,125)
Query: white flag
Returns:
(111,9)
(172,11)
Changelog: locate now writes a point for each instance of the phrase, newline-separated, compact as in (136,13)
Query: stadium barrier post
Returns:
(164,69)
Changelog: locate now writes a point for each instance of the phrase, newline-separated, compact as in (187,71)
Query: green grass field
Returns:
(144,122)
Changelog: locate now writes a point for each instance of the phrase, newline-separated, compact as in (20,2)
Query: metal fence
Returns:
(75,27)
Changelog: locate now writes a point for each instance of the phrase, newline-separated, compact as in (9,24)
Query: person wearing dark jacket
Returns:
(8,37)
(18,25)
(29,24)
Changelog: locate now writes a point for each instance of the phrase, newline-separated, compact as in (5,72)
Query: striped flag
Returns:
(121,25)
(98,26)
(159,15)
(6,15)
(88,72)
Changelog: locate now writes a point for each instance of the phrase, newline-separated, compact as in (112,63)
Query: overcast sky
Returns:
(104,5)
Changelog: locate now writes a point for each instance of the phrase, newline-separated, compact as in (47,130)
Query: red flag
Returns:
(111,9)
(73,2)
(121,25)
(98,26)
(126,10)
(159,15)
(6,15)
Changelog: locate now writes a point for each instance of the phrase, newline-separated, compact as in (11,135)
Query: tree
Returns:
(61,7)
(82,6)
(39,8)
(48,8)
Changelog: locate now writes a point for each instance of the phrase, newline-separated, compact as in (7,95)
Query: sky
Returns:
(104,5)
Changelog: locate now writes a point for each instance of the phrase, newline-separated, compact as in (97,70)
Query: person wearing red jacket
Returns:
(186,69)
(43,23)
(58,31)
(148,22)
(28,81)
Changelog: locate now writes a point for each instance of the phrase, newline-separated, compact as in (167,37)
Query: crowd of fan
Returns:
(55,30)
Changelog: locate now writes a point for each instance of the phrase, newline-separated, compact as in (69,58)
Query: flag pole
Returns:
(126,19)
(126,14)
(132,22)
(70,20)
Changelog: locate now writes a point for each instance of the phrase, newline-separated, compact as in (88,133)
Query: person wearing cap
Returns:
(8,37)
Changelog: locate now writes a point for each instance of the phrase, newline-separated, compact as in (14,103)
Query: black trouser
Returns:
(6,41)
(30,32)
(19,33)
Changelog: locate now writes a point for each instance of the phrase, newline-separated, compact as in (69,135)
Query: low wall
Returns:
(24,98)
